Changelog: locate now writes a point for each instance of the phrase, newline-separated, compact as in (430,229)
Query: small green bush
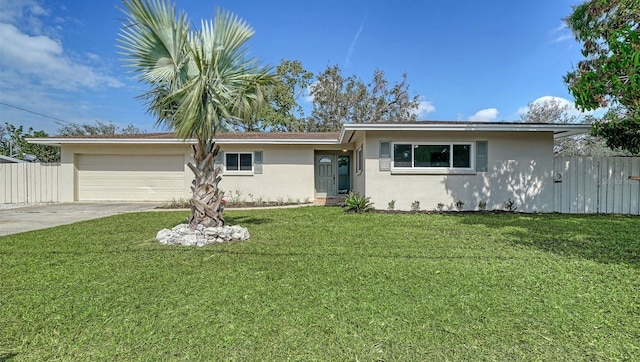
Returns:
(357,203)
(177,204)
(482,205)
(415,206)
(510,205)
(391,205)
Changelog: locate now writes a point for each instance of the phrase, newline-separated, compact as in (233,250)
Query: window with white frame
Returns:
(238,161)
(440,155)
(359,160)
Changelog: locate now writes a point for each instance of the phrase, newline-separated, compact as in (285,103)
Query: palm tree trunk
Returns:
(207,198)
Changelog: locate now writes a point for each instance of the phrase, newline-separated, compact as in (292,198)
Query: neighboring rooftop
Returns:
(7,159)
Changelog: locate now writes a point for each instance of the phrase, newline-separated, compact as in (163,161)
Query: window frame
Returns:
(227,171)
(359,159)
(430,169)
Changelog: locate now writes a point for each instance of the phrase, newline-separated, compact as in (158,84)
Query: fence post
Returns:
(598,182)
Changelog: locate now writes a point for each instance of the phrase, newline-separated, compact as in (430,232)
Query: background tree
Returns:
(283,112)
(549,111)
(97,128)
(329,101)
(335,99)
(553,111)
(338,100)
(610,72)
(13,143)
(200,81)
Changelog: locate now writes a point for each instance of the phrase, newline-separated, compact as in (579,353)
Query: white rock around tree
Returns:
(201,236)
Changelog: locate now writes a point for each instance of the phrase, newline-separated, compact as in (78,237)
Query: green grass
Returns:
(316,284)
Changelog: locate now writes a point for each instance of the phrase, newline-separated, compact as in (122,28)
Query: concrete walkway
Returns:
(35,217)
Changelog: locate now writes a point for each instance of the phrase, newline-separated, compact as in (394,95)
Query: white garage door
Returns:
(130,177)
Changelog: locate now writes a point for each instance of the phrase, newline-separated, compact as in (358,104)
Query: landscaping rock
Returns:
(201,236)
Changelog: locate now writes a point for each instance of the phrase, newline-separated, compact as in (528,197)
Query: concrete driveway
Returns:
(35,217)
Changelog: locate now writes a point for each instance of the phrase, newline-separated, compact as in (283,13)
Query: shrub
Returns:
(177,204)
(391,205)
(235,198)
(440,206)
(482,205)
(460,205)
(357,203)
(415,206)
(510,205)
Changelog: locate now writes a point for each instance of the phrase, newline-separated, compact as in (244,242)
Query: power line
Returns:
(39,114)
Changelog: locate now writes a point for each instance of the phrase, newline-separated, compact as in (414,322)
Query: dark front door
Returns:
(325,175)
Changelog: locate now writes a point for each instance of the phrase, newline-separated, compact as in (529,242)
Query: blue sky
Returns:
(467,60)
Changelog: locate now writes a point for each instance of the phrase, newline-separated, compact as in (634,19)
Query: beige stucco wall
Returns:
(520,168)
(287,169)
(69,156)
(287,174)
(358,181)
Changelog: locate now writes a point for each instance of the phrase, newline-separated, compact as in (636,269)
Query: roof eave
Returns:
(571,132)
(522,127)
(169,141)
(559,131)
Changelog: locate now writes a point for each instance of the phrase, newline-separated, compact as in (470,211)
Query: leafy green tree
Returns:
(97,128)
(620,127)
(330,105)
(552,111)
(200,82)
(335,99)
(283,112)
(610,73)
(13,143)
(338,100)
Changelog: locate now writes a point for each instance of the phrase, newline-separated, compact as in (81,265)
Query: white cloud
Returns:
(424,107)
(485,115)
(563,102)
(38,74)
(352,47)
(24,13)
(561,33)
(43,59)
(93,57)
(563,37)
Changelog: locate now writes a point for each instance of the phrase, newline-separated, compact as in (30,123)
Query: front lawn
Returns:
(313,283)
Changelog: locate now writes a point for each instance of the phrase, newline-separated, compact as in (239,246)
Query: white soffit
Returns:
(559,130)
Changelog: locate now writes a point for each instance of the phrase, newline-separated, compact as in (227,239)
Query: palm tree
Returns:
(200,83)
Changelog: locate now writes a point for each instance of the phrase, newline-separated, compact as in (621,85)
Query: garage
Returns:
(130,177)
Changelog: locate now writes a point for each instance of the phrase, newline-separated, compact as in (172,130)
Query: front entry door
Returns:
(325,175)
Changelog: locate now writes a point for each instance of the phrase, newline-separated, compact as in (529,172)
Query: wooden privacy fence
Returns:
(28,182)
(607,185)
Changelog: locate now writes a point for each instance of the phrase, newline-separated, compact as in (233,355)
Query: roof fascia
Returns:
(174,141)
(559,130)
